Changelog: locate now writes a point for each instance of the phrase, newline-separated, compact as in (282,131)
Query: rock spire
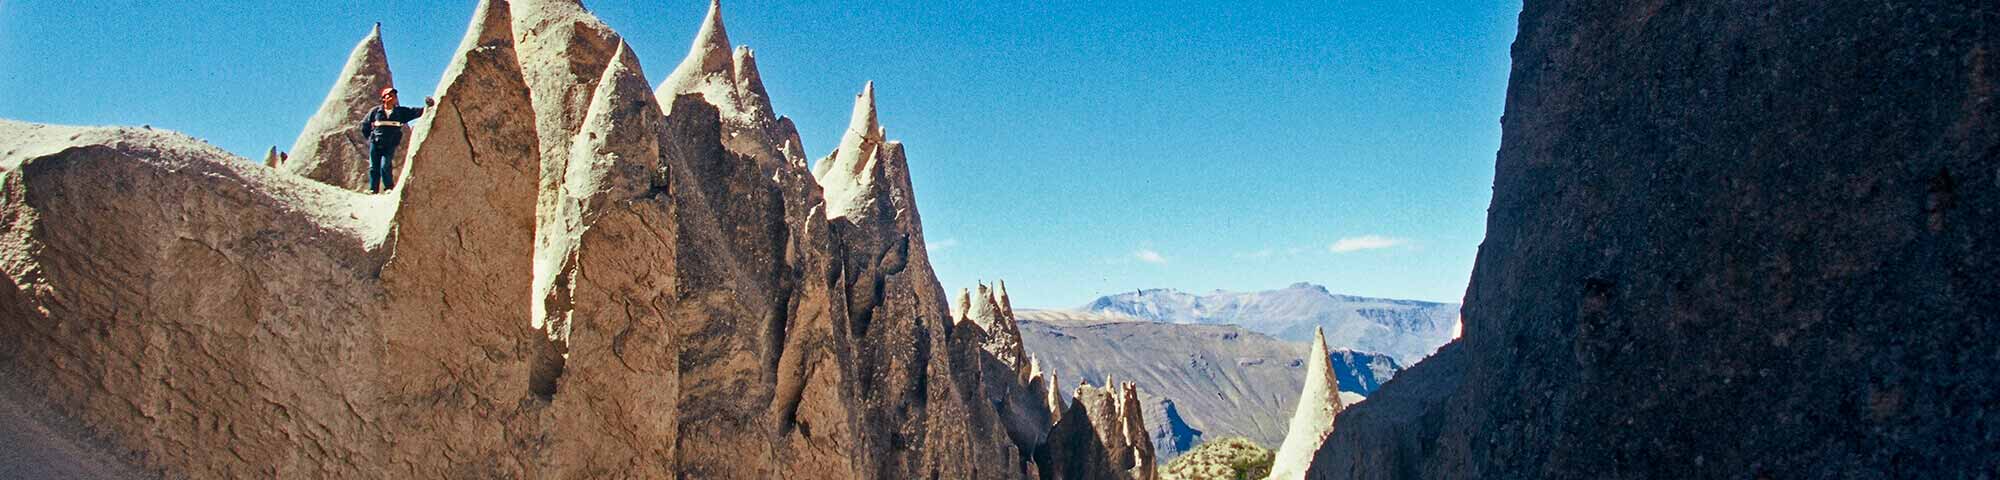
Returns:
(710,53)
(709,69)
(851,175)
(1101,435)
(1319,404)
(563,51)
(331,148)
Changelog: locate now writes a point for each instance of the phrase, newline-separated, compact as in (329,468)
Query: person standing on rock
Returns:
(384,129)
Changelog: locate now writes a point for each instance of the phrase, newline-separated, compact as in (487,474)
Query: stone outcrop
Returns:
(1313,418)
(1012,381)
(991,311)
(899,316)
(702,312)
(331,149)
(1391,435)
(1101,435)
(1725,241)
(564,50)
(460,256)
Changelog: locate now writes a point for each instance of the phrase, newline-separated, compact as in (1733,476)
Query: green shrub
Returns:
(1232,458)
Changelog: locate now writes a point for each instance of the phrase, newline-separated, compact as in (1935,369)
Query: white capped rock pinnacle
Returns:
(983,309)
(1312,422)
(710,52)
(851,172)
(708,70)
(750,91)
(863,121)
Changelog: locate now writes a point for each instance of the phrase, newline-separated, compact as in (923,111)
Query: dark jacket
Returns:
(384,130)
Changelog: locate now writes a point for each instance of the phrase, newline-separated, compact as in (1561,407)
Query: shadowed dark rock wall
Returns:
(1729,239)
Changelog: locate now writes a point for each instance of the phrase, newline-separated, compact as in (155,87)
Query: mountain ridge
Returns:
(1408,330)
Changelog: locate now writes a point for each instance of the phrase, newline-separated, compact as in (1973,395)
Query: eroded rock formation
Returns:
(1101,435)
(331,149)
(1313,419)
(1011,379)
(578,276)
(1726,241)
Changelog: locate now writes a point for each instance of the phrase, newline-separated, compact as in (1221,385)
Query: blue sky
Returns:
(1075,149)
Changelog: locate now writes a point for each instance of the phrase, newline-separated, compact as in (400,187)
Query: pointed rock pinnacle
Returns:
(1319,404)
(864,121)
(958,310)
(331,148)
(850,174)
(710,52)
(1000,292)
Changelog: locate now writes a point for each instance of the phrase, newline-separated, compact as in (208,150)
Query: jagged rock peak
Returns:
(1003,332)
(1319,405)
(1052,395)
(707,70)
(851,173)
(616,151)
(960,308)
(563,50)
(983,308)
(1132,421)
(1115,417)
(331,148)
(492,27)
(863,123)
(1000,294)
(750,89)
(710,52)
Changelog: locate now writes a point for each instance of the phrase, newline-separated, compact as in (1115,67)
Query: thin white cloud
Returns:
(1364,242)
(941,244)
(1149,256)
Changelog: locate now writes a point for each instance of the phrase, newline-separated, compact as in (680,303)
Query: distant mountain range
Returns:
(1408,330)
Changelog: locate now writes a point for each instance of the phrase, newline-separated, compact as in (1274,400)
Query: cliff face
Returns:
(1727,239)
(577,276)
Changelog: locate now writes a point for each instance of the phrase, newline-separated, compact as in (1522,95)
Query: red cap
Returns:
(388,90)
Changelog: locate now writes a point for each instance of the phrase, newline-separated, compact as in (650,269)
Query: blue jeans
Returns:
(381,168)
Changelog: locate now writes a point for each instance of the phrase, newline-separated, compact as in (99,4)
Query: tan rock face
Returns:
(331,149)
(702,315)
(563,51)
(276,351)
(462,246)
